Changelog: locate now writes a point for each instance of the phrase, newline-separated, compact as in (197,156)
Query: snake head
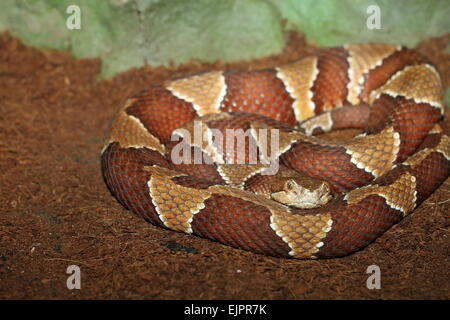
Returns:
(303,194)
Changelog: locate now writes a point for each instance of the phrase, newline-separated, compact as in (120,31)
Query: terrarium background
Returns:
(55,109)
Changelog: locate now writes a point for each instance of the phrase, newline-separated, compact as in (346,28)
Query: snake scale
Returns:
(392,93)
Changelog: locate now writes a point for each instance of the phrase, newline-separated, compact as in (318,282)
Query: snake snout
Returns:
(296,195)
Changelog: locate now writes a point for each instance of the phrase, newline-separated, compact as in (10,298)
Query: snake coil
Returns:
(391,92)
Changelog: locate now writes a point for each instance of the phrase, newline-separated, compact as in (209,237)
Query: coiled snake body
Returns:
(375,179)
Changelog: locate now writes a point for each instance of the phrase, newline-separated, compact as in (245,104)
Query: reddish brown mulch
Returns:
(56,210)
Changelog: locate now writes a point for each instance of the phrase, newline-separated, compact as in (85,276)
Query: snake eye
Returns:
(325,186)
(290,185)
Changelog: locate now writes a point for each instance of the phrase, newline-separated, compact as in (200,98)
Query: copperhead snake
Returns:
(368,183)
